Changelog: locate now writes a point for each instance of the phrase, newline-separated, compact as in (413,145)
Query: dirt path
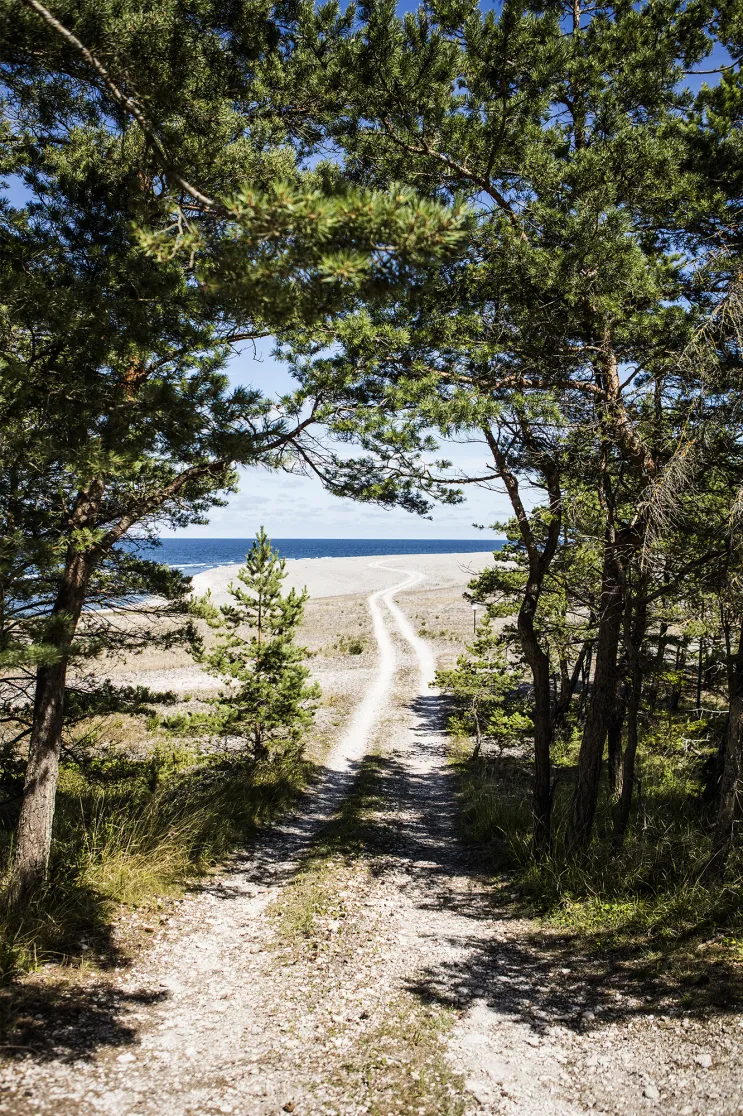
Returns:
(354,962)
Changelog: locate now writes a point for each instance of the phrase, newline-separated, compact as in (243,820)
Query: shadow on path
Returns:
(56,1021)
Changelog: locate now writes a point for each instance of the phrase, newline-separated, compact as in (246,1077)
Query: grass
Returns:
(129,833)
(349,645)
(401,1062)
(647,905)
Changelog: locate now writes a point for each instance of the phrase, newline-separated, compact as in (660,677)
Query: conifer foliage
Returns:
(485,691)
(267,699)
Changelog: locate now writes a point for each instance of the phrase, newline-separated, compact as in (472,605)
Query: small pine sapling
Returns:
(485,690)
(267,699)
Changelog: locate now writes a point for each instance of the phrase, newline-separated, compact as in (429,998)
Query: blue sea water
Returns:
(194,556)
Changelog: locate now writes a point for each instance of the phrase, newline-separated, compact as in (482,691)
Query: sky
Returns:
(291,507)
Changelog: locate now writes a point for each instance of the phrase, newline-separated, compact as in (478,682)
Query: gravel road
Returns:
(341,968)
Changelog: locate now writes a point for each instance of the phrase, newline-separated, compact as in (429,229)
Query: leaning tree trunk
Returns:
(600,706)
(536,657)
(34,838)
(722,837)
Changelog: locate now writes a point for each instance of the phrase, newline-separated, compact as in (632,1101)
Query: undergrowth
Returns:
(131,832)
(648,903)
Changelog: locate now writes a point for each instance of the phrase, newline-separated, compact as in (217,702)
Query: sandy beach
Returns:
(337,577)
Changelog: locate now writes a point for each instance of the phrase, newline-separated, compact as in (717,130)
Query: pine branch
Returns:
(128,104)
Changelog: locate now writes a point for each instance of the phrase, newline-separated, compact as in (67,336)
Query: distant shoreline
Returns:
(196,556)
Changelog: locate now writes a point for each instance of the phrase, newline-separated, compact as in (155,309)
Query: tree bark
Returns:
(675,697)
(537,658)
(568,690)
(634,652)
(538,661)
(614,744)
(722,837)
(33,844)
(601,703)
(583,704)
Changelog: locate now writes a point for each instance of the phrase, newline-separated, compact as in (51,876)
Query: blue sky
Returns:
(299,507)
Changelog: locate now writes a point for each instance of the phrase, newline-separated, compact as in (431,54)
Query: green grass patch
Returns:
(401,1062)
(312,898)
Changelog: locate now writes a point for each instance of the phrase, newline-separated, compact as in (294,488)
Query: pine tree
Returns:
(485,692)
(564,338)
(272,705)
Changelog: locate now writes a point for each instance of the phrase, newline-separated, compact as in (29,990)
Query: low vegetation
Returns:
(649,905)
(130,833)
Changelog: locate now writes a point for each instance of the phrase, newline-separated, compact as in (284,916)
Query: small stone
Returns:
(651,1093)
(703,1060)
(686,1110)
(479,1091)
(124,1059)
(289,1106)
(533,1040)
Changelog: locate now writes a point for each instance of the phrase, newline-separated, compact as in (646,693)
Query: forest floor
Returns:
(356,961)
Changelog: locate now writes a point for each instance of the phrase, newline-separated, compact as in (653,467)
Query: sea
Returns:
(195,556)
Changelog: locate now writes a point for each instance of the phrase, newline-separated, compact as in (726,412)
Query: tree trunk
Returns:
(722,838)
(538,661)
(675,698)
(614,745)
(634,651)
(478,734)
(34,839)
(659,666)
(536,657)
(700,663)
(601,703)
(583,703)
(566,695)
